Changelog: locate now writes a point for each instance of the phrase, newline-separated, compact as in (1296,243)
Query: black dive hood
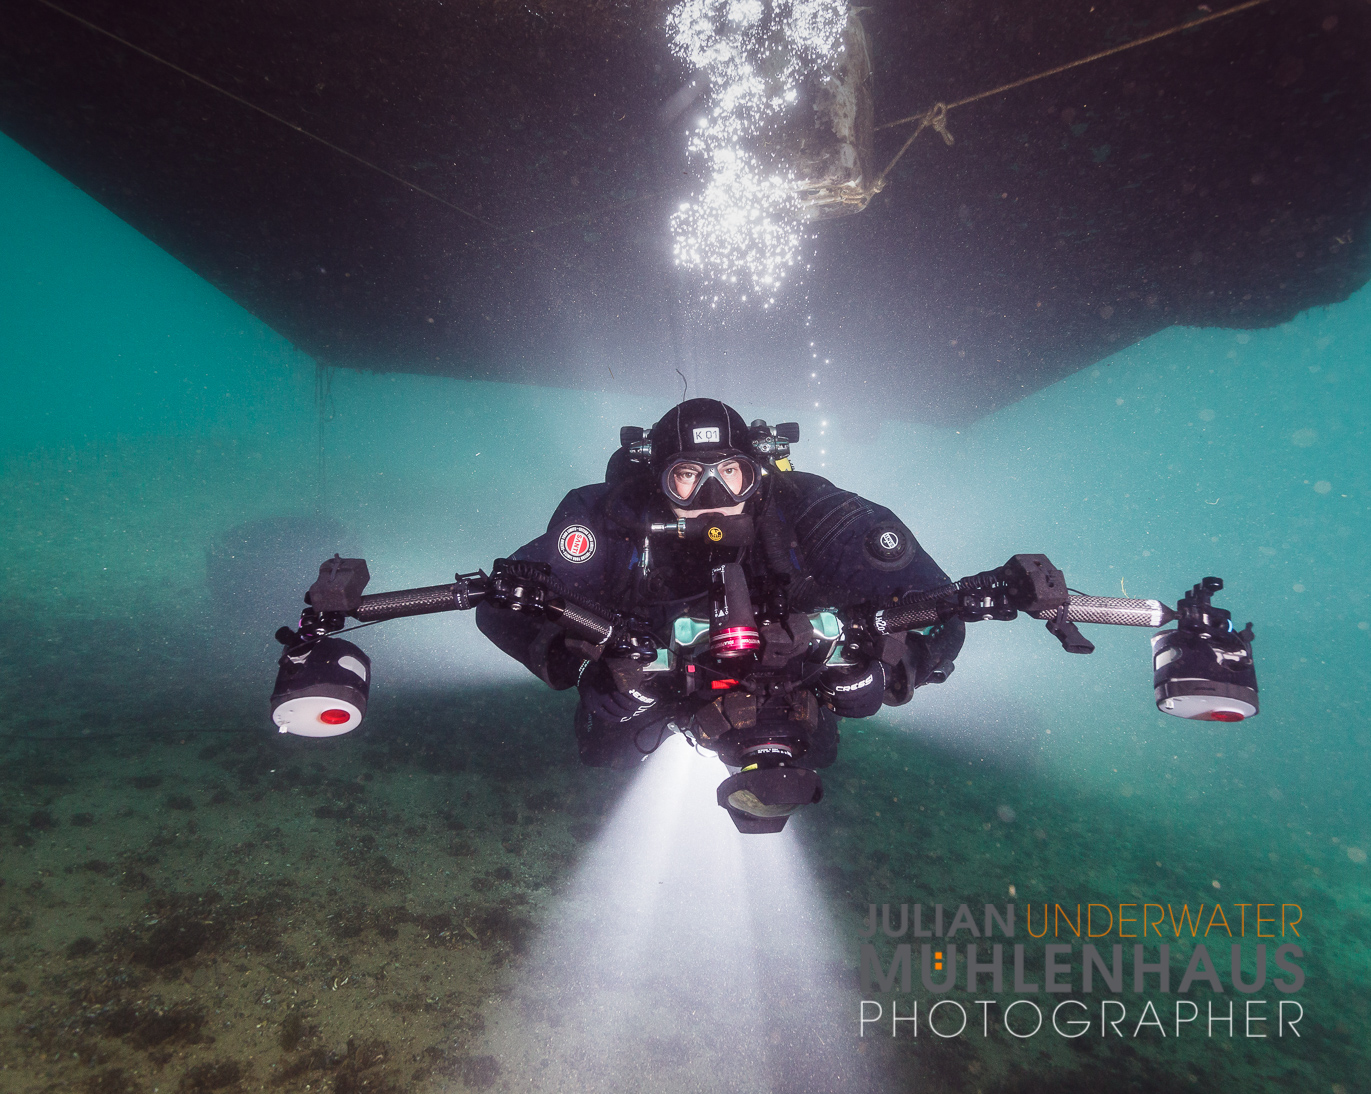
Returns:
(697,427)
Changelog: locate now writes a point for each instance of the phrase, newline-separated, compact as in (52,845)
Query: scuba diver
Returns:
(709,589)
(704,509)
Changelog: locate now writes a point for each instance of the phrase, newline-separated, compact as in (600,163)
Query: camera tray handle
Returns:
(1039,588)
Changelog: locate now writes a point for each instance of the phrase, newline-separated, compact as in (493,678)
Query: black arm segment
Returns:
(895,620)
(470,589)
(425,601)
(582,624)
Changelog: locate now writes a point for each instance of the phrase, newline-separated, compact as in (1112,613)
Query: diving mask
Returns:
(692,483)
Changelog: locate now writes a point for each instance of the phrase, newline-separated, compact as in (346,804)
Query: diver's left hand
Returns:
(854,691)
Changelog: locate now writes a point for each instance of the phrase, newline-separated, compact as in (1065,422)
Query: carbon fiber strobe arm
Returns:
(470,589)
(1117,610)
(521,586)
(425,601)
(1114,610)
(580,623)
(1026,583)
(894,620)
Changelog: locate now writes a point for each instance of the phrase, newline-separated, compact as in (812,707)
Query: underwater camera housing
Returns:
(768,754)
(761,796)
(1204,669)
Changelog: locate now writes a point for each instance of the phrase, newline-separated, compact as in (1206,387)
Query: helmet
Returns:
(700,455)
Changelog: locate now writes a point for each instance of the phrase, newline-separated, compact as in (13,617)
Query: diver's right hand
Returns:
(930,656)
(615,690)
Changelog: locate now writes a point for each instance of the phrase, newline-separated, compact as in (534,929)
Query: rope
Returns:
(936,116)
(512,234)
(323,401)
(277,118)
(590,215)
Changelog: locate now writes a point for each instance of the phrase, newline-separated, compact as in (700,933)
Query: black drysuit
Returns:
(835,550)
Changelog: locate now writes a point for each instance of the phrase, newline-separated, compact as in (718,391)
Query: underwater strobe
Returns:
(323,682)
(321,688)
(1204,669)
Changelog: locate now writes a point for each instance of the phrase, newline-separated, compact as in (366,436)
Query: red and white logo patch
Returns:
(577,543)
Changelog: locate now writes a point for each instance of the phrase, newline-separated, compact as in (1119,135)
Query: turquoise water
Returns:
(383,912)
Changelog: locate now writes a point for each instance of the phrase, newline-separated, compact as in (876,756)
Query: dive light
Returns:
(732,624)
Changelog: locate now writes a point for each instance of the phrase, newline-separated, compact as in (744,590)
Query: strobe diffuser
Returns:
(321,688)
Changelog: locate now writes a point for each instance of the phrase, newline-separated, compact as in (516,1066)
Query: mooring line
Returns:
(283,121)
(936,116)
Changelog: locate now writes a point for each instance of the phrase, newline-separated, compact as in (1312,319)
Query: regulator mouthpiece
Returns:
(321,688)
(1204,670)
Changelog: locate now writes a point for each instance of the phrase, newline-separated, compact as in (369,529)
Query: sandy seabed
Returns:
(230,910)
(222,910)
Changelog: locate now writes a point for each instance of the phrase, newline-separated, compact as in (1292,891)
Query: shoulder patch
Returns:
(889,546)
(576,543)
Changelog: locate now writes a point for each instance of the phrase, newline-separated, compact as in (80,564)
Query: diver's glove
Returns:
(854,691)
(924,659)
(931,655)
(615,690)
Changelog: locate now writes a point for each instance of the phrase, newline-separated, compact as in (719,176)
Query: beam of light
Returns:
(683,956)
(746,227)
